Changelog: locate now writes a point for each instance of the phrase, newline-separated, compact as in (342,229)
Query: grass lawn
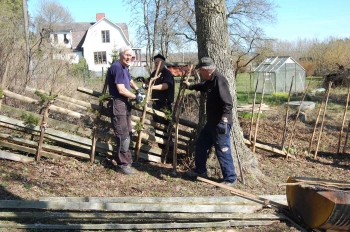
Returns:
(245,87)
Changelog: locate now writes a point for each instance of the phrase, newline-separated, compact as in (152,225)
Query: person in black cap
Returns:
(219,122)
(163,88)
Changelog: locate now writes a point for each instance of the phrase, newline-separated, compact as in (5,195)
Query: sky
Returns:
(296,19)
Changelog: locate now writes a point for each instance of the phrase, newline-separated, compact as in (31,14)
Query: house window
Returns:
(55,38)
(65,40)
(100,58)
(105,36)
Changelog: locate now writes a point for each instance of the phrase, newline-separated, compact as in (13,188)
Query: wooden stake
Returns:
(177,115)
(252,119)
(148,97)
(42,131)
(343,122)
(286,117)
(323,117)
(295,122)
(171,124)
(316,122)
(346,139)
(3,83)
(96,122)
(258,117)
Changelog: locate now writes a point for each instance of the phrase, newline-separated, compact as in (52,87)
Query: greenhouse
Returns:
(276,73)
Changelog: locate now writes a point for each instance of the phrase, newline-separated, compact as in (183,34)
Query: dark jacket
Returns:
(164,96)
(219,99)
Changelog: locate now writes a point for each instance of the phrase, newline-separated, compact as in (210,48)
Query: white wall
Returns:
(93,43)
(60,39)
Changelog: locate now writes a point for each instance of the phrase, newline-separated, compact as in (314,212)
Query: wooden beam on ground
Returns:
(140,226)
(208,200)
(187,207)
(15,157)
(29,150)
(246,195)
(264,147)
(132,215)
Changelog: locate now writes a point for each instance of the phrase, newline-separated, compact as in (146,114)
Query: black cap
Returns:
(159,56)
(205,61)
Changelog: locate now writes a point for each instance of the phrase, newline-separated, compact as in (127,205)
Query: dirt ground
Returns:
(71,177)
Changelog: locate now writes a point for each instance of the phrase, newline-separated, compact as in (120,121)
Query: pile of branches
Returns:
(340,78)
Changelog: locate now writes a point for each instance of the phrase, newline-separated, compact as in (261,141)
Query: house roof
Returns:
(79,30)
(273,63)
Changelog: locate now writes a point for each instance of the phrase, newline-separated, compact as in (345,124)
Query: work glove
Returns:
(221,128)
(140,96)
(186,85)
(144,86)
(140,79)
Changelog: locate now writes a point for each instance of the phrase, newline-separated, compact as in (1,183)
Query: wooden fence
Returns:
(69,130)
(136,213)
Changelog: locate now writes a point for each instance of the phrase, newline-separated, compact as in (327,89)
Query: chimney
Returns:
(100,16)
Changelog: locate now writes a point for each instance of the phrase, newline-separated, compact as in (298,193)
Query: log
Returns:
(188,207)
(261,200)
(29,150)
(131,215)
(72,139)
(149,111)
(134,226)
(53,123)
(264,147)
(34,101)
(207,200)
(15,157)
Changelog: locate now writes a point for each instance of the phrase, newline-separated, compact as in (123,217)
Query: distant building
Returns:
(94,41)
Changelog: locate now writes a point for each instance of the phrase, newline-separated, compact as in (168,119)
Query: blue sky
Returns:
(296,18)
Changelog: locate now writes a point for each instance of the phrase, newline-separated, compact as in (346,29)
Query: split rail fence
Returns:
(136,213)
(72,134)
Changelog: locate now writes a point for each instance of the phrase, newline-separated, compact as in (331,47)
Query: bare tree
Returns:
(12,43)
(161,24)
(213,41)
(50,12)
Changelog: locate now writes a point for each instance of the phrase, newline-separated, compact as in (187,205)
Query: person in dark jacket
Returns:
(219,122)
(163,88)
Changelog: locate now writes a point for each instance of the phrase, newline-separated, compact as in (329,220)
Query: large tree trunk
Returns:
(213,41)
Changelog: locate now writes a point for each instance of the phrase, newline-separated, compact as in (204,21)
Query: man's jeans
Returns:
(209,137)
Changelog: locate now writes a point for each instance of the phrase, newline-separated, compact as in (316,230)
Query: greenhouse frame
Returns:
(277,72)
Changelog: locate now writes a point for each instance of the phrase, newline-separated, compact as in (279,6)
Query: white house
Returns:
(93,41)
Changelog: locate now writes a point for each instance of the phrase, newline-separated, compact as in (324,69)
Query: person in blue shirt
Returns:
(119,84)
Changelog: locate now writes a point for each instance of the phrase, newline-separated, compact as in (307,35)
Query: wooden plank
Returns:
(46,147)
(101,147)
(15,157)
(265,147)
(261,200)
(53,123)
(122,207)
(150,111)
(134,226)
(129,215)
(206,200)
(29,150)
(34,101)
